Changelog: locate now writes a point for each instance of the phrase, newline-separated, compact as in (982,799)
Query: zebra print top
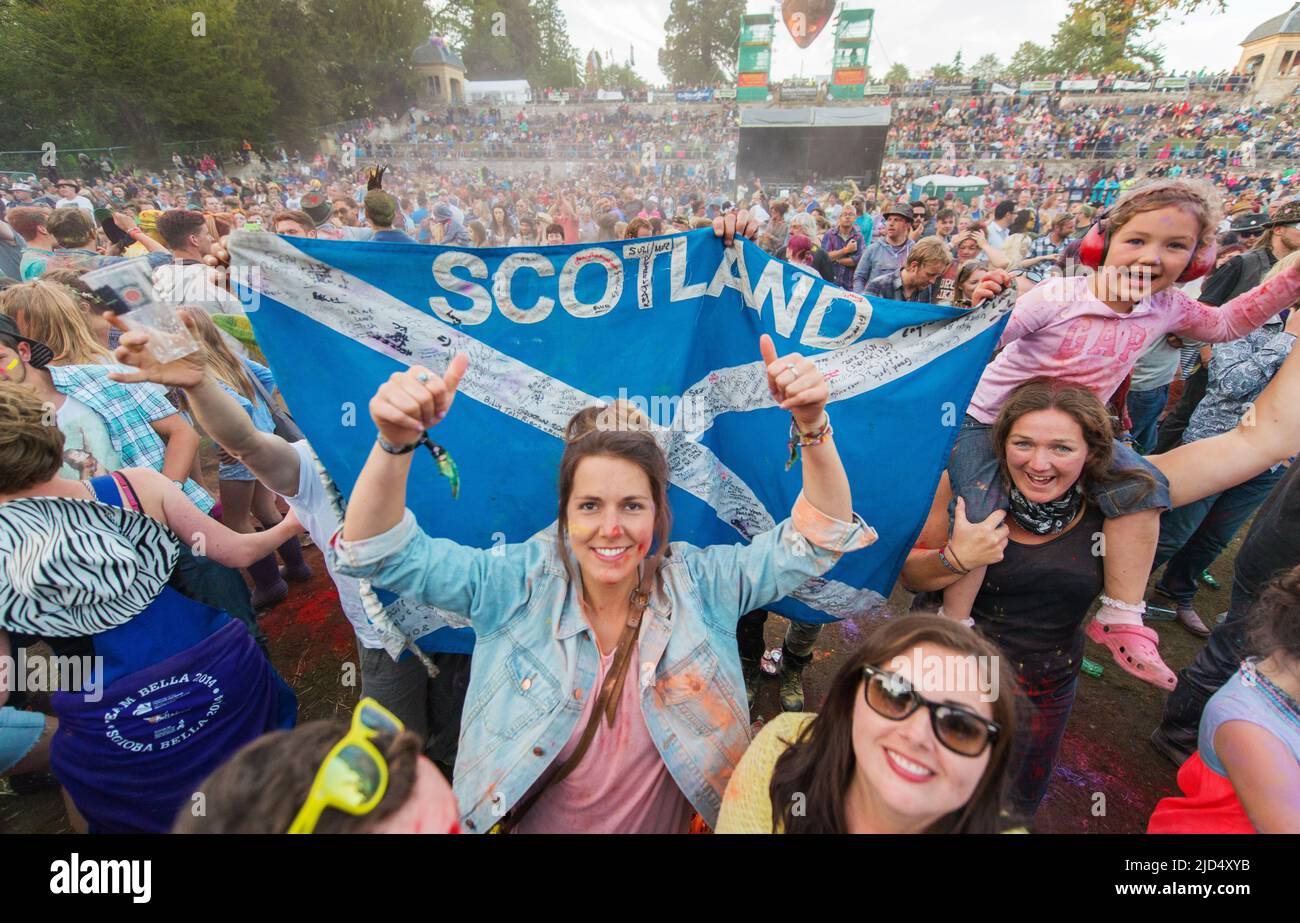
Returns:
(71,568)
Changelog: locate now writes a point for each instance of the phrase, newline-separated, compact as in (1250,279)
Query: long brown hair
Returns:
(221,360)
(618,430)
(819,763)
(1082,406)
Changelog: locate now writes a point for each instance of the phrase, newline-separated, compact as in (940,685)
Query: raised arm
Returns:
(799,386)
(1267,434)
(406,405)
(1247,312)
(267,455)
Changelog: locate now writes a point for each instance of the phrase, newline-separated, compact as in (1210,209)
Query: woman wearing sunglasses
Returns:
(606,693)
(914,737)
(1053,442)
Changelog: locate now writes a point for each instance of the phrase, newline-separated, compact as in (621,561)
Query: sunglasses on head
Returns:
(354,774)
(960,730)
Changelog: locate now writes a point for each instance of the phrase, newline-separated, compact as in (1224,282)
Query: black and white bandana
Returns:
(1046,518)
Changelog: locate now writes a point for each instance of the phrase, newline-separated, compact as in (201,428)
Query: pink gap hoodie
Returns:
(1061,330)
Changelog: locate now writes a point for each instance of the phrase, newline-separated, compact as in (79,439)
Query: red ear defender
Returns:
(1092,249)
(1201,263)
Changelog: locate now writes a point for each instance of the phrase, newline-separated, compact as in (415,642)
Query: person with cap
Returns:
(69,196)
(177,685)
(319,209)
(22,193)
(890,252)
(381,210)
(454,234)
(1249,227)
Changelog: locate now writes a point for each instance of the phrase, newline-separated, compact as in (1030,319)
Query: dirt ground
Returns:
(1105,750)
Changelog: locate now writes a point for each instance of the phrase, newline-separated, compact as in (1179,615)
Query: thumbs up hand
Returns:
(796,384)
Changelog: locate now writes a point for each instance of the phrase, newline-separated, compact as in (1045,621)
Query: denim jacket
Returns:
(536,658)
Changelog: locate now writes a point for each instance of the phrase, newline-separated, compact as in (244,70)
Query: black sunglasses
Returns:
(961,731)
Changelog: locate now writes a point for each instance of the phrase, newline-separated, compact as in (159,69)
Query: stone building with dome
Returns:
(1271,53)
(442,74)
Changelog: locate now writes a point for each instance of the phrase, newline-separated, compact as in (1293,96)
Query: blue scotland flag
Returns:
(669,323)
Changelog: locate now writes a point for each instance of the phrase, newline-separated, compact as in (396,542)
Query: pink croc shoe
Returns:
(1134,649)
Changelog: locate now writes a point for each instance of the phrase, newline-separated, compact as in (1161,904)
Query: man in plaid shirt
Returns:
(844,245)
(1043,251)
(145,429)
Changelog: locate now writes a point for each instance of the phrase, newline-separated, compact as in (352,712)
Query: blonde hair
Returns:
(48,312)
(224,363)
(1193,196)
(31,447)
(930,250)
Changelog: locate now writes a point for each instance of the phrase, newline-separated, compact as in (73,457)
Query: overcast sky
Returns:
(919,33)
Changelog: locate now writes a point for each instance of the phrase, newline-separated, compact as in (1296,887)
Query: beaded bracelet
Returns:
(799,439)
(953,554)
(946,563)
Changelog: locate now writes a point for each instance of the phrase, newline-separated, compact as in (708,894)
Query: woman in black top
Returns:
(1054,445)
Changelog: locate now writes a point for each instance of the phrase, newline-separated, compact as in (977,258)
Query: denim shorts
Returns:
(235,471)
(19,732)
(975,475)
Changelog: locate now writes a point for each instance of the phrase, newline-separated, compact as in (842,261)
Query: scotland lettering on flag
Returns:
(669,323)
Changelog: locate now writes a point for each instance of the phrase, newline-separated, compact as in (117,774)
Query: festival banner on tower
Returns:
(671,324)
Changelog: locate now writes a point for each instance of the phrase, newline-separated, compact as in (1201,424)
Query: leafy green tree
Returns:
(511,38)
(1113,36)
(618,76)
(1030,60)
(83,72)
(368,49)
(953,71)
(898,73)
(700,40)
(987,67)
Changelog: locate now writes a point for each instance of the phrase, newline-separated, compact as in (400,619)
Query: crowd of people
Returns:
(1143,394)
(1051,127)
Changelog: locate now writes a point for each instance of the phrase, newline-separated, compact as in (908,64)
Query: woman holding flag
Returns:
(607,693)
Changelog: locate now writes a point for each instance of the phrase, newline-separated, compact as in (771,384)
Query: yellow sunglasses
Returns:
(353,777)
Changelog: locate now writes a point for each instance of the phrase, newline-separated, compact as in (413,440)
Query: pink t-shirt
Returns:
(622,784)
(1061,330)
